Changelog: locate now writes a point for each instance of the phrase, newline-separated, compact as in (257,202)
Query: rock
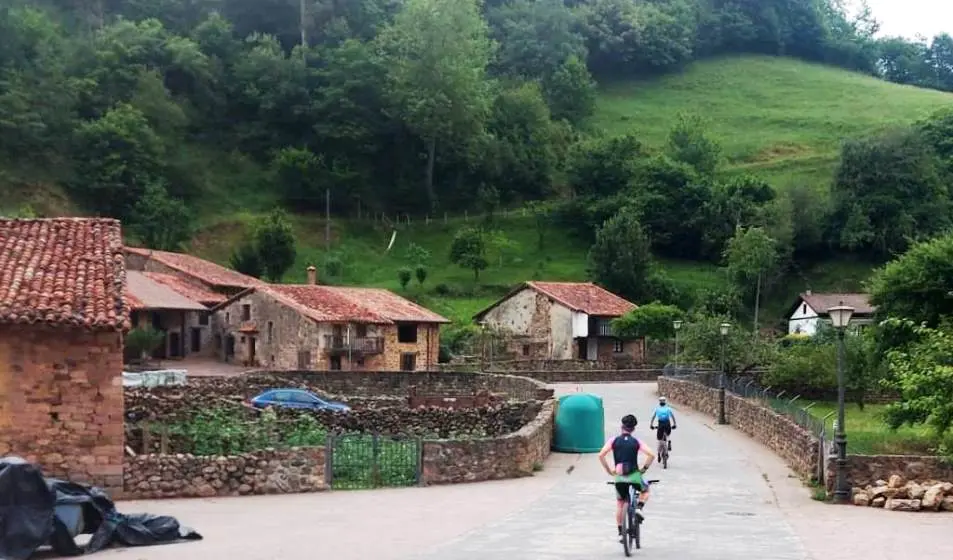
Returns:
(861,499)
(244,489)
(902,505)
(896,481)
(206,491)
(947,504)
(878,502)
(878,491)
(915,491)
(947,488)
(899,493)
(932,498)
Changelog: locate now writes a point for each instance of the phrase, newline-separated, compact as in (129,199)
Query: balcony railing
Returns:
(361,346)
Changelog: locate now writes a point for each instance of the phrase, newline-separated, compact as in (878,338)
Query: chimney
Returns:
(807,293)
(312,275)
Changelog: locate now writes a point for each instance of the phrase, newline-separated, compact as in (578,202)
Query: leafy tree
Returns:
(621,260)
(275,241)
(420,272)
(437,53)
(540,212)
(887,192)
(417,255)
(743,201)
(654,321)
(923,375)
(703,342)
(505,248)
(116,158)
(571,91)
(299,174)
(604,166)
(535,36)
(144,341)
(404,275)
(751,256)
(673,199)
(468,250)
(689,144)
(917,285)
(247,259)
(160,221)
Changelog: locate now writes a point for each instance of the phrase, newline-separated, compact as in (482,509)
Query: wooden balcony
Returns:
(338,345)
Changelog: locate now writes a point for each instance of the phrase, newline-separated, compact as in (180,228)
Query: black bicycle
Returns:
(631,523)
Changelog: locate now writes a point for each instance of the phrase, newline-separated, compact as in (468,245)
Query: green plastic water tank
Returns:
(580,424)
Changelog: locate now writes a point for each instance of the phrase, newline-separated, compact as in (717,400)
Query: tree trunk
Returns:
(757,304)
(431,159)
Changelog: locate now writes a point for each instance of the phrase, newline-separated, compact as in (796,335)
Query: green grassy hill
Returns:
(781,119)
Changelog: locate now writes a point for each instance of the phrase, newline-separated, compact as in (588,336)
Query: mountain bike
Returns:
(663,451)
(631,532)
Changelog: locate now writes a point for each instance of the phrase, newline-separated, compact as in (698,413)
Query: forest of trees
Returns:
(395,105)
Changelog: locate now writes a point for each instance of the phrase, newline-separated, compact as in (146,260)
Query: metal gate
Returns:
(359,461)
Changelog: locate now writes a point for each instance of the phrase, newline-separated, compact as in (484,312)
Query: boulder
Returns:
(878,491)
(878,502)
(902,505)
(932,497)
(896,481)
(947,488)
(947,504)
(915,491)
(861,499)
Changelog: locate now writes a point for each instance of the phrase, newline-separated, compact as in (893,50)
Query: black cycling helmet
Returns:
(629,422)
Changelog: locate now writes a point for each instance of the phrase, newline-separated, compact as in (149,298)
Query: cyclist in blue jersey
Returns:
(625,450)
(665,417)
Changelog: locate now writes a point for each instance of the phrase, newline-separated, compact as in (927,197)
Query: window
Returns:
(203,319)
(246,312)
(526,349)
(359,362)
(218,342)
(335,363)
(271,331)
(407,333)
(304,359)
(361,331)
(408,361)
(804,309)
(618,346)
(228,317)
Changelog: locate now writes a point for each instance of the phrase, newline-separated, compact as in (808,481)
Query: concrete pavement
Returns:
(723,497)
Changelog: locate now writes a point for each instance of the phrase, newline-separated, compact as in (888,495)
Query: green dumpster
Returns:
(580,424)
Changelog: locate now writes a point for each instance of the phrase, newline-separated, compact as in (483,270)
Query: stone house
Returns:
(184,322)
(809,311)
(308,326)
(196,279)
(63,315)
(562,321)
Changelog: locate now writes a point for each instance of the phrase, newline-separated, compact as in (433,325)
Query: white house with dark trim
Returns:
(810,309)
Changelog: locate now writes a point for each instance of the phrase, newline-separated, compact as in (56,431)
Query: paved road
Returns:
(723,497)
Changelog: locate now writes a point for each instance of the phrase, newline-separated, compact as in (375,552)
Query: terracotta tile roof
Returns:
(191,290)
(820,303)
(331,304)
(201,269)
(63,271)
(584,297)
(144,293)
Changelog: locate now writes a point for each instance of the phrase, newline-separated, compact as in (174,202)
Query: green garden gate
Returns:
(360,461)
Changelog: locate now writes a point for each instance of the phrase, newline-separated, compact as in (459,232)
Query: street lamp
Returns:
(676,325)
(840,318)
(723,329)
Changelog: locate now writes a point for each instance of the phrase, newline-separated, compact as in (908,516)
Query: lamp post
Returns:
(676,325)
(840,318)
(723,329)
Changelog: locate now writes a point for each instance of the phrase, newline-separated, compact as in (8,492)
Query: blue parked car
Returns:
(296,398)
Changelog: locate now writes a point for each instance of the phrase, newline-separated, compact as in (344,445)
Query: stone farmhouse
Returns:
(63,314)
(166,310)
(562,321)
(309,326)
(810,310)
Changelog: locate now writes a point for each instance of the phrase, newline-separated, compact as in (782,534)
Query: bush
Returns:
(403,276)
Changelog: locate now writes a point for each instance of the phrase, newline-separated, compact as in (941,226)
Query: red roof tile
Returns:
(201,269)
(188,289)
(584,297)
(63,271)
(359,305)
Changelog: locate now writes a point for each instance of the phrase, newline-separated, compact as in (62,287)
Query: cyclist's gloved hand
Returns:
(674,427)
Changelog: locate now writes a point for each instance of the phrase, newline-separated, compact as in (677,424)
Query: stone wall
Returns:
(614,363)
(511,456)
(866,470)
(797,446)
(61,403)
(594,375)
(187,476)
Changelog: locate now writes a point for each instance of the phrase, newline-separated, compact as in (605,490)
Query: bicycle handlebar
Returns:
(656,481)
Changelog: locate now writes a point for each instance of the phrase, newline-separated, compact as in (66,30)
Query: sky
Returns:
(908,18)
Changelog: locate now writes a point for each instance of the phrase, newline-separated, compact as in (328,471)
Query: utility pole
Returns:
(327,220)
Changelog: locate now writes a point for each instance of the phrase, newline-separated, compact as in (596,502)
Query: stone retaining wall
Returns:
(522,366)
(511,456)
(594,375)
(797,446)
(187,476)
(866,470)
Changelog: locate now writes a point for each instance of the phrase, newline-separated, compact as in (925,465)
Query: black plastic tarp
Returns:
(36,511)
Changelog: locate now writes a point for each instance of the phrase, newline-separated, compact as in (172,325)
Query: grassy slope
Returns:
(779,118)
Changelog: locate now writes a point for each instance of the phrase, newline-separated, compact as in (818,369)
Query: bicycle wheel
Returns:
(626,532)
(636,535)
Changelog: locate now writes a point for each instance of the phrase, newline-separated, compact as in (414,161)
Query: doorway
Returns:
(175,344)
(582,345)
(196,339)
(252,350)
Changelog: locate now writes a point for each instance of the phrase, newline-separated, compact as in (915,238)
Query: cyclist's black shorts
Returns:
(622,489)
(664,429)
